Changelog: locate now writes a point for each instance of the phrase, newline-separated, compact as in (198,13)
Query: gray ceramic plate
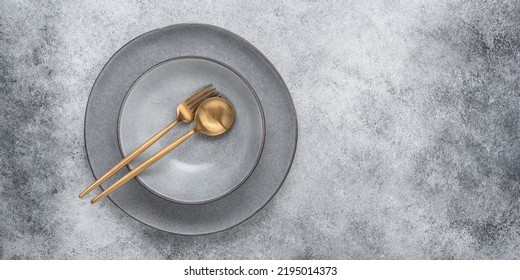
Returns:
(152,48)
(203,168)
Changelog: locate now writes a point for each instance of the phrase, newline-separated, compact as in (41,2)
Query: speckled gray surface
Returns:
(408,134)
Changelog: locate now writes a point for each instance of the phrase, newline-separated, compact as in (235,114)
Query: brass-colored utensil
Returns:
(213,117)
(185,113)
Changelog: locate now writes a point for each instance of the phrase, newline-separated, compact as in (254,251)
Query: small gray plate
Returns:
(203,168)
(152,48)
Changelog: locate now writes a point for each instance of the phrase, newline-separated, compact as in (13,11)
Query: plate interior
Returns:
(203,168)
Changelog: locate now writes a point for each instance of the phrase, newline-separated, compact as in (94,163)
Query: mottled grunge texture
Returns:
(408,129)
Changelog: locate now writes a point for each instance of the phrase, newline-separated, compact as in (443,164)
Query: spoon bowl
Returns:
(214,117)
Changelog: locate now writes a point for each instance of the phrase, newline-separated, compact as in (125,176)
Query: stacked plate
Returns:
(207,184)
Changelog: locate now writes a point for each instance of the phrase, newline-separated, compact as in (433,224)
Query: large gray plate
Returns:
(151,48)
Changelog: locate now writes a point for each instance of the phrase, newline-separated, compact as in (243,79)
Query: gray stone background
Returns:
(408,129)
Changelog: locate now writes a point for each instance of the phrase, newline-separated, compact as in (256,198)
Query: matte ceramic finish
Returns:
(202,168)
(151,48)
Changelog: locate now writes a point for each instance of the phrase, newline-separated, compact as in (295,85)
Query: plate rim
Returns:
(262,117)
(273,68)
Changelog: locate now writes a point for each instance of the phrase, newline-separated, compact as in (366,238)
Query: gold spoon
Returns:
(213,117)
(185,113)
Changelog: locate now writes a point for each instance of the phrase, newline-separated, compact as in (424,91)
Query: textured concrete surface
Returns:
(408,143)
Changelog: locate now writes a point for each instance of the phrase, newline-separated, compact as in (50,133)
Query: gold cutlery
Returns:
(185,113)
(213,117)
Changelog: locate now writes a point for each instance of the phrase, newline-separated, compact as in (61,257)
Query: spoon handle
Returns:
(143,166)
(129,158)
